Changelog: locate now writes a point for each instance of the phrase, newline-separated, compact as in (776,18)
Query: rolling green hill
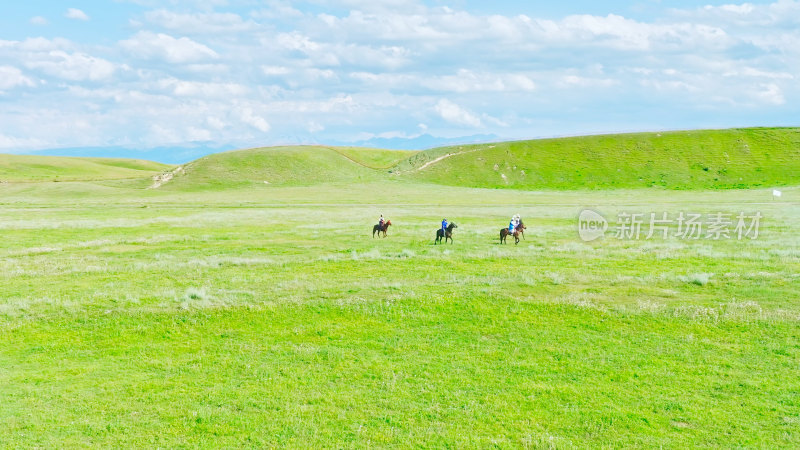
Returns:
(298,166)
(373,157)
(705,159)
(711,159)
(28,168)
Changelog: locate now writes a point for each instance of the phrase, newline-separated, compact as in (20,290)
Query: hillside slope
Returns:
(28,168)
(374,158)
(710,159)
(285,166)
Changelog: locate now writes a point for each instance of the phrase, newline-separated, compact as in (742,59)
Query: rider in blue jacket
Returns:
(444,225)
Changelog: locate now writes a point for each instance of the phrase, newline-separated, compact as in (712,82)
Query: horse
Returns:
(518,231)
(447,234)
(378,228)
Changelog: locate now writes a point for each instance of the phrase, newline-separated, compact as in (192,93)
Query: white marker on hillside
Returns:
(776,193)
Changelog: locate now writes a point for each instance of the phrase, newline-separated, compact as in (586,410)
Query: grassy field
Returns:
(27,168)
(711,159)
(253,314)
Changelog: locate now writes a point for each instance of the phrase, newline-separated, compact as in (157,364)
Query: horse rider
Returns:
(517,220)
(381,221)
(444,227)
(512,225)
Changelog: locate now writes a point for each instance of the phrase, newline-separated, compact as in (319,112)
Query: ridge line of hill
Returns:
(692,159)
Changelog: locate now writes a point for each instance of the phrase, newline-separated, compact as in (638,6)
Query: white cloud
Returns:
(314,127)
(72,66)
(272,71)
(571,81)
(196,134)
(297,41)
(39,20)
(15,144)
(277,10)
(746,14)
(468,81)
(771,94)
(751,72)
(335,69)
(76,14)
(149,45)
(208,69)
(255,121)
(38,44)
(446,28)
(201,4)
(183,88)
(463,81)
(11,77)
(620,33)
(456,115)
(199,23)
(216,123)
(335,54)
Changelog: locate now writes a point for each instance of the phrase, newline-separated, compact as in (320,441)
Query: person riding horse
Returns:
(382,226)
(515,228)
(446,233)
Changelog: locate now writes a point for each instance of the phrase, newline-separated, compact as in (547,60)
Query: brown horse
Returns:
(518,231)
(447,234)
(378,228)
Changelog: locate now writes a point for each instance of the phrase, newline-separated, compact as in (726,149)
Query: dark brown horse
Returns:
(446,234)
(378,228)
(518,231)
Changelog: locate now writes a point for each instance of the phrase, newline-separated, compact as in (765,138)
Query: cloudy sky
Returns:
(238,73)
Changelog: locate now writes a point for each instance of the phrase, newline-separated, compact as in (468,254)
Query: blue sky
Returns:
(147,74)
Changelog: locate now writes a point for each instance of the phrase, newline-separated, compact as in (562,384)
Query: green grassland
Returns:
(711,159)
(19,168)
(375,158)
(286,166)
(218,310)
